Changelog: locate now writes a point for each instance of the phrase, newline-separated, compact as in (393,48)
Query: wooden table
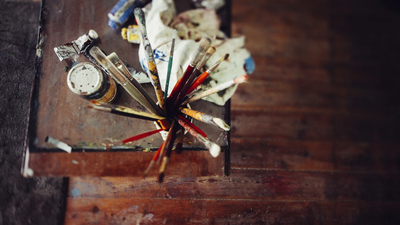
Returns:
(315,131)
(96,137)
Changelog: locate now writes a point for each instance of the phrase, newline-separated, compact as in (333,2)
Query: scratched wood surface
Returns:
(315,131)
(59,113)
(63,115)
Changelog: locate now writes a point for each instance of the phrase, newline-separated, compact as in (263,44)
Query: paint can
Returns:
(90,82)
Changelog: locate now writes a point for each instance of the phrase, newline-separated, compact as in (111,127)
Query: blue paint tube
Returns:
(122,11)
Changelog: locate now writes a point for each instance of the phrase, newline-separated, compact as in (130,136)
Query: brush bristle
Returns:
(205,42)
(226,57)
(221,124)
(211,50)
(161,177)
(148,168)
(212,37)
(215,150)
(241,79)
(89,107)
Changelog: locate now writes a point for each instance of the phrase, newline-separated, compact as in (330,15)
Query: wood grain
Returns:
(188,163)
(314,156)
(212,211)
(314,130)
(266,184)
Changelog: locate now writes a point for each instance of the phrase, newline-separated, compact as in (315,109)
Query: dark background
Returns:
(22,200)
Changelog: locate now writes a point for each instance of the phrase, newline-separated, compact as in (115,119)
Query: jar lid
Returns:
(85,78)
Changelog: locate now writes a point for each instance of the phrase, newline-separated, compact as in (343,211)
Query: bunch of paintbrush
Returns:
(134,89)
(171,114)
(174,97)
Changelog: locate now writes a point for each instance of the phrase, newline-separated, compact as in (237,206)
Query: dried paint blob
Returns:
(75,192)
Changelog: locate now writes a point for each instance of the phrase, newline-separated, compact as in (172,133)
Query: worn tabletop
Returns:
(95,136)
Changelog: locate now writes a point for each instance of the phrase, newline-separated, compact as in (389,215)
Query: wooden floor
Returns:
(315,131)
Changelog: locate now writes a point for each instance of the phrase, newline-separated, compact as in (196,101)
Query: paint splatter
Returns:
(95,209)
(148,216)
(249,65)
(160,55)
(75,192)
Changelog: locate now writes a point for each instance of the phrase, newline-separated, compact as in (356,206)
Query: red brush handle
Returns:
(197,82)
(178,86)
(155,157)
(140,136)
(192,125)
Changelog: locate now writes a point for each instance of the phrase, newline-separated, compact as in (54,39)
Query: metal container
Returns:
(90,82)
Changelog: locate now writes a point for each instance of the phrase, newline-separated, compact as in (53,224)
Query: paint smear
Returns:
(148,216)
(76,192)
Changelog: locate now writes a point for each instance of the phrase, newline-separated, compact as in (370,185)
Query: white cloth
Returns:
(160,35)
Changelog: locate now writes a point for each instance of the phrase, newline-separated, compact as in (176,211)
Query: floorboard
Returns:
(314,136)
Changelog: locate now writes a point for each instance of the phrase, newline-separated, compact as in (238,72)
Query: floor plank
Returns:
(188,163)
(314,156)
(167,211)
(249,184)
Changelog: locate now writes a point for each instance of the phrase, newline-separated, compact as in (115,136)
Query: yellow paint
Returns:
(156,84)
(192,113)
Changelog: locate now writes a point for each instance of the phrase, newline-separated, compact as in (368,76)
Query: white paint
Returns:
(26,171)
(221,124)
(59,144)
(148,216)
(215,150)
(29,172)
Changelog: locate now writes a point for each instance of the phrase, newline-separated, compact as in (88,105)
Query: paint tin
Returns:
(89,82)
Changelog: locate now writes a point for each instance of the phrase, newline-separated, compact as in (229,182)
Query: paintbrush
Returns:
(217,88)
(58,144)
(153,160)
(113,57)
(123,111)
(210,51)
(205,118)
(179,145)
(169,142)
(152,68)
(191,125)
(115,73)
(198,88)
(204,75)
(171,56)
(140,136)
(211,146)
(204,44)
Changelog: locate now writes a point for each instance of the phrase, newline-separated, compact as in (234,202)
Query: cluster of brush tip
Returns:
(170,112)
